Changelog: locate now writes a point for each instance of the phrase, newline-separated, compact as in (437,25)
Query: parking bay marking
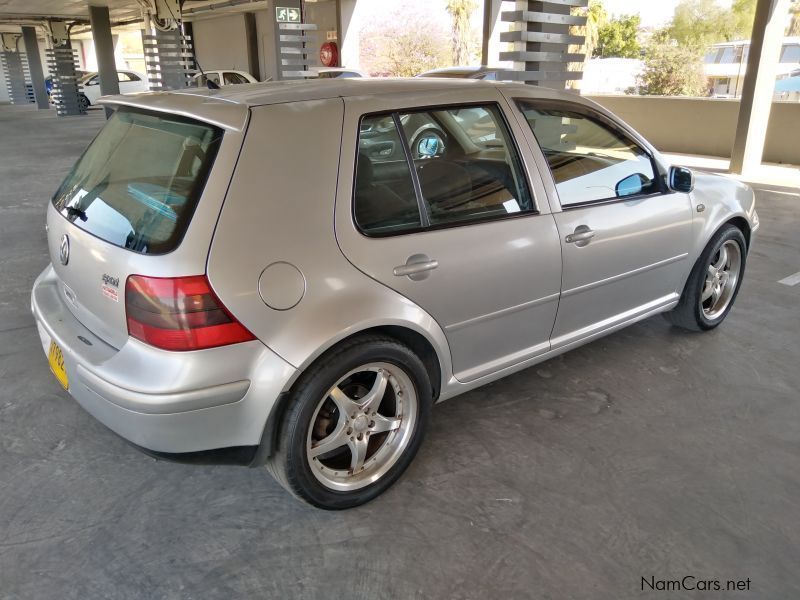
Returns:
(791,279)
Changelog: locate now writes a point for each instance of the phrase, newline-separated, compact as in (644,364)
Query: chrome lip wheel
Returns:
(721,279)
(362,426)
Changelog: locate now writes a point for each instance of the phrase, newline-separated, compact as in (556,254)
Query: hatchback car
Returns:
(129,82)
(222,77)
(482,72)
(218,283)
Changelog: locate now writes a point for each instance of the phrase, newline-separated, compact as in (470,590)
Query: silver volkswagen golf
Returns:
(292,274)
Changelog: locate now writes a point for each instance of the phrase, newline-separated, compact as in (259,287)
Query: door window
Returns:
(232,78)
(590,161)
(384,200)
(465,169)
(124,77)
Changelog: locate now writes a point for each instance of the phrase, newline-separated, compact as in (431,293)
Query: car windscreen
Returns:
(138,182)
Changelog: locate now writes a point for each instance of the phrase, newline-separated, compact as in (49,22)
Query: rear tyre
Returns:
(713,284)
(353,424)
(83,102)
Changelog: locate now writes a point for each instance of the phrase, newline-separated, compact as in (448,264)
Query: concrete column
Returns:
(348,28)
(104,50)
(35,67)
(759,84)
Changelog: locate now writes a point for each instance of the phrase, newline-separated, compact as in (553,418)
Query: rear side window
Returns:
(459,166)
(232,78)
(138,183)
(590,161)
(385,201)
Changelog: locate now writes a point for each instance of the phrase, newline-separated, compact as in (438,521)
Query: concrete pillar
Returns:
(348,28)
(759,84)
(104,50)
(35,67)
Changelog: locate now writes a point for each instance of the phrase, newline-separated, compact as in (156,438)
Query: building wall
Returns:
(265,31)
(221,43)
(323,15)
(705,126)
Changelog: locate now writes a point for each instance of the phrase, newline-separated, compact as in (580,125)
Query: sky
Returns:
(654,13)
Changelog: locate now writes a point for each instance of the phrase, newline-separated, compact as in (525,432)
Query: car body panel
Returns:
(495,291)
(82,281)
(91,85)
(164,401)
(276,213)
(274,199)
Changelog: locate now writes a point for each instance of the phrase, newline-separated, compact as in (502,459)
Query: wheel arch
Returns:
(420,344)
(740,223)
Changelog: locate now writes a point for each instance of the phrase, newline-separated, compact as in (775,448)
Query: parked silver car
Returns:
(276,273)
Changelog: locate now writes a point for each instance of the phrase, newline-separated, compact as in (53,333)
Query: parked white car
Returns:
(337,73)
(129,82)
(223,77)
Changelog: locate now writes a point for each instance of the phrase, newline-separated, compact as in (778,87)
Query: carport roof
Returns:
(228,106)
(66,9)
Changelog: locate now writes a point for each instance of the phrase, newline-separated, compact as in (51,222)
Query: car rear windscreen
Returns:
(138,182)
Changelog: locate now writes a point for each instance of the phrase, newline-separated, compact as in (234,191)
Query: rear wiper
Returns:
(76,212)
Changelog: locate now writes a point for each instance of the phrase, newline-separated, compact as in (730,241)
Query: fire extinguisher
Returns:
(329,54)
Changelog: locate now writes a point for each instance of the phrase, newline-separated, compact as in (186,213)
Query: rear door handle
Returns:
(581,236)
(417,267)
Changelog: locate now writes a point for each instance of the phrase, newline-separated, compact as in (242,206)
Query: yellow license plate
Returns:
(56,360)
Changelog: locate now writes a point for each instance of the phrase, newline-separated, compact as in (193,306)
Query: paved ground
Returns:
(650,453)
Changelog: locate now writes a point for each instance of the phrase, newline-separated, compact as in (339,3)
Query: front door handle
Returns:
(417,267)
(580,237)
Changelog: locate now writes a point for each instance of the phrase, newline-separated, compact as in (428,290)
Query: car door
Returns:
(624,235)
(435,203)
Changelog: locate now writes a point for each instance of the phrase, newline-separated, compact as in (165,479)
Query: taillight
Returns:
(179,313)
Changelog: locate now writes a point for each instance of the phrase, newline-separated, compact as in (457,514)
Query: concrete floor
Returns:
(652,452)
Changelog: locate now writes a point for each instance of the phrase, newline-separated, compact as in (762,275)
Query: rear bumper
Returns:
(163,401)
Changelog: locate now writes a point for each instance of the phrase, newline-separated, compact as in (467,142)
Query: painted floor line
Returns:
(791,279)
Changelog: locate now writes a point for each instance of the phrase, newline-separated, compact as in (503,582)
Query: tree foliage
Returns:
(701,23)
(672,70)
(460,13)
(403,45)
(618,38)
(794,24)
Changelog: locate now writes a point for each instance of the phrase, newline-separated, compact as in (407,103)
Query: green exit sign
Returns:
(284,14)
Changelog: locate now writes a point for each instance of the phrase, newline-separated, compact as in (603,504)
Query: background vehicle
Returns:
(223,77)
(129,82)
(307,314)
(337,73)
(482,72)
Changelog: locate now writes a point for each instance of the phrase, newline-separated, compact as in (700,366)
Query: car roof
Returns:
(229,106)
(464,70)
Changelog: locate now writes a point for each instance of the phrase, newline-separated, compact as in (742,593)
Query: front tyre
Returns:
(354,422)
(713,283)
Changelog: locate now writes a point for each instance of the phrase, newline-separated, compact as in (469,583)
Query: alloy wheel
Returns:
(362,426)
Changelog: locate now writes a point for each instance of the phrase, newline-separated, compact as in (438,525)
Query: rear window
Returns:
(138,183)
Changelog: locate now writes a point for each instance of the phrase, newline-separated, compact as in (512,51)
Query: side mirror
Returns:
(681,179)
(631,185)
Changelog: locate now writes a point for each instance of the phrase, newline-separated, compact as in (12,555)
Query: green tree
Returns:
(460,13)
(794,24)
(596,17)
(618,38)
(672,70)
(701,23)
(403,44)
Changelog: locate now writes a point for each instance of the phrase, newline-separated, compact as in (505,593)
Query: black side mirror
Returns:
(681,179)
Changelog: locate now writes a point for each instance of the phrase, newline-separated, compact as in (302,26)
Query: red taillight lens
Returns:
(179,313)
